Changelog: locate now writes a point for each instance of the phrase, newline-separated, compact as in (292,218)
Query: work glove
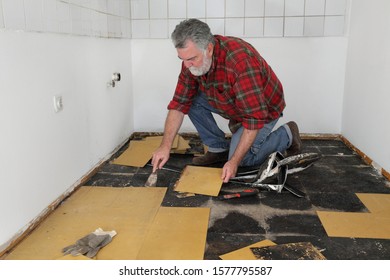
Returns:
(90,244)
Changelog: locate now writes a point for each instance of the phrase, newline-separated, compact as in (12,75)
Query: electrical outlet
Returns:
(58,106)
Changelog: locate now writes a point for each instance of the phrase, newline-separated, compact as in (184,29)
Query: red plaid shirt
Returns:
(240,85)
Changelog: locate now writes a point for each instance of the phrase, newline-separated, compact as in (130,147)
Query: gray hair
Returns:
(193,30)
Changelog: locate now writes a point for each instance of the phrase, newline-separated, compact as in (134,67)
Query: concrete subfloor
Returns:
(330,185)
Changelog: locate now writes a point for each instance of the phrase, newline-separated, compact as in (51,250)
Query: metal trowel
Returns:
(152,180)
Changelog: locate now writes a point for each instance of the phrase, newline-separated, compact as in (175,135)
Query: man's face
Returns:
(197,61)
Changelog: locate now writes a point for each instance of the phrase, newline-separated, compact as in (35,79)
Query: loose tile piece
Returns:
(290,251)
(200,180)
(246,252)
(140,152)
(128,211)
(377,204)
(182,146)
(137,154)
(158,139)
(177,233)
(375,224)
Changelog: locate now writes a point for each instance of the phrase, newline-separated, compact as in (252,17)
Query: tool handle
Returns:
(244,193)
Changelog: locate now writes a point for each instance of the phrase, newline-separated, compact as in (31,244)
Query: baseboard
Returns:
(366,158)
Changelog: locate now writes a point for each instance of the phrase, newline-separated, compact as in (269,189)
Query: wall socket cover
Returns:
(58,106)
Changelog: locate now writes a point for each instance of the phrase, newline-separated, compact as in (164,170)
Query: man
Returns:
(226,76)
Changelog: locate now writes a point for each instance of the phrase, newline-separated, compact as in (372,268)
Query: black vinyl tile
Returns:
(330,184)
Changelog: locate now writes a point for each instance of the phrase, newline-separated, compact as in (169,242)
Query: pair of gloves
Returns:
(90,244)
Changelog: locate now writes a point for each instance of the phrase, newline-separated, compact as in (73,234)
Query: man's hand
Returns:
(172,125)
(160,157)
(229,170)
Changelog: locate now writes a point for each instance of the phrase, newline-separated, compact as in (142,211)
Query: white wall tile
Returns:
(126,27)
(274,7)
(140,29)
(315,7)
(215,8)
(113,7)
(77,19)
(84,3)
(294,8)
(172,25)
(14,14)
(99,24)
(314,26)
(196,8)
(217,25)
(254,27)
(234,27)
(103,25)
(124,6)
(95,24)
(177,8)
(159,28)
(273,27)
(101,5)
(51,23)
(63,18)
(254,8)
(158,9)
(335,7)
(293,26)
(139,9)
(86,22)
(114,26)
(34,17)
(235,8)
(1,15)
(334,26)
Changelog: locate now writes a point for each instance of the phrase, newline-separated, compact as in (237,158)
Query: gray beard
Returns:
(203,69)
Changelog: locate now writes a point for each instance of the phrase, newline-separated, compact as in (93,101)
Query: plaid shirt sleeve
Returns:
(258,93)
(186,89)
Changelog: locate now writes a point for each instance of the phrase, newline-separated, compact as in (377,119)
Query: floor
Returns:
(330,185)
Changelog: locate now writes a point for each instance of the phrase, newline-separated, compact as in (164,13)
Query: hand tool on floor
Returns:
(243,193)
(90,244)
(152,180)
(272,174)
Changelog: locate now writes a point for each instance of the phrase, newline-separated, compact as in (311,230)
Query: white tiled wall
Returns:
(99,18)
(158,18)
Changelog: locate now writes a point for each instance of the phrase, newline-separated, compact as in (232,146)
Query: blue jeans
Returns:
(266,142)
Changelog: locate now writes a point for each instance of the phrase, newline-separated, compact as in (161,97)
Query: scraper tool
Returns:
(152,180)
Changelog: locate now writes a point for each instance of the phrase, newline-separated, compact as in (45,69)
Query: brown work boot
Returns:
(210,158)
(296,145)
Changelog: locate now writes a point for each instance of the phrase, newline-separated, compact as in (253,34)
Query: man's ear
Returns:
(210,48)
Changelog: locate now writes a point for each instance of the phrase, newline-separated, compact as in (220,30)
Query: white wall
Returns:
(43,153)
(366,114)
(311,70)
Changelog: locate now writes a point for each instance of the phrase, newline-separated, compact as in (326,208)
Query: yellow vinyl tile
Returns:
(182,146)
(375,224)
(157,140)
(246,253)
(129,211)
(376,203)
(358,225)
(200,180)
(137,154)
(177,233)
